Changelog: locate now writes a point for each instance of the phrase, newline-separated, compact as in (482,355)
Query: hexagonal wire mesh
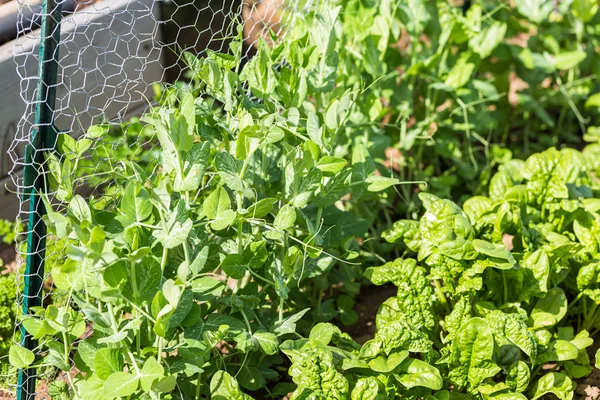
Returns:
(110,56)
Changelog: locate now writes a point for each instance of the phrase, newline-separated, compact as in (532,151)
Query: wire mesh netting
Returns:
(106,61)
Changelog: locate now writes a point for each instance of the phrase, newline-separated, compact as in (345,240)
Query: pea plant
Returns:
(450,88)
(187,272)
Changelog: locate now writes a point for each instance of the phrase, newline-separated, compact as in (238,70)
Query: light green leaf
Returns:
(151,371)
(177,229)
(288,325)
(285,217)
(165,385)
(120,384)
(559,350)
(569,59)
(330,165)
(472,349)
(584,9)
(386,365)
(96,131)
(593,101)
(504,258)
(224,387)
(323,332)
(555,383)
(20,357)
(188,110)
(261,208)
(107,362)
(223,220)
(518,376)
(136,205)
(93,388)
(535,10)
(417,373)
(267,341)
(484,42)
(216,203)
(80,209)
(194,162)
(461,72)
(549,310)
(377,183)
(517,333)
(229,170)
(365,389)
(148,275)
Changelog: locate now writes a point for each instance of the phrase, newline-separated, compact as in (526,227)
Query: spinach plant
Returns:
(494,293)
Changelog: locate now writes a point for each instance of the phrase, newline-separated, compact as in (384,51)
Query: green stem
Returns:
(280,310)
(160,347)
(140,310)
(111,316)
(66,348)
(590,317)
(163,261)
(133,280)
(186,252)
(319,301)
(319,214)
(441,296)
(505,287)
(246,321)
(575,300)
(198,385)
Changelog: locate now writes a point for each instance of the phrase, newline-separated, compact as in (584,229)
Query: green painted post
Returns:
(43,137)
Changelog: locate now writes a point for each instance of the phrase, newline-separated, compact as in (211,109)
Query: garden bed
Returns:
(379,204)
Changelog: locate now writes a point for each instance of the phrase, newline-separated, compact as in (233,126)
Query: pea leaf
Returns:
(150,372)
(229,170)
(190,175)
(261,208)
(330,165)
(224,387)
(120,384)
(285,217)
(267,341)
(107,362)
(234,266)
(207,288)
(378,183)
(216,203)
(251,378)
(288,325)
(177,228)
(20,357)
(568,59)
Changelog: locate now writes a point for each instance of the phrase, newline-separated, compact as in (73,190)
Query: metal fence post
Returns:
(43,137)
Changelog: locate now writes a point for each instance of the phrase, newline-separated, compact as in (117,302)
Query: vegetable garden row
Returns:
(434,148)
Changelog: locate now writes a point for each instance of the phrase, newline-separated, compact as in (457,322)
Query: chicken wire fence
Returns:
(103,61)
